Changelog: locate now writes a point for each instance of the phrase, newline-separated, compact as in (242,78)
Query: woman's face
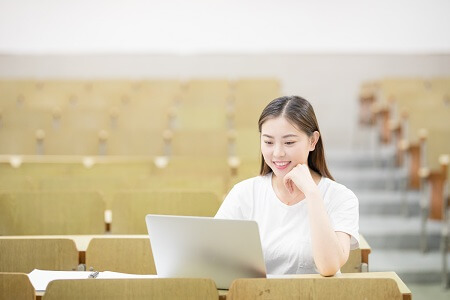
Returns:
(283,146)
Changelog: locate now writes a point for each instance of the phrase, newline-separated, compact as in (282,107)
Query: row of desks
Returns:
(315,285)
(82,242)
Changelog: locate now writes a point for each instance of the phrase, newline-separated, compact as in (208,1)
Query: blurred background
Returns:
(134,81)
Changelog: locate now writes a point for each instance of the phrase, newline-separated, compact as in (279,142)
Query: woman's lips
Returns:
(281,165)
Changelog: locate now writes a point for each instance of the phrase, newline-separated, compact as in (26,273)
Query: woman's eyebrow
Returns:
(284,136)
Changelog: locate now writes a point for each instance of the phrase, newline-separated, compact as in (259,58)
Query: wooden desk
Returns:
(222,295)
(383,285)
(404,290)
(81,241)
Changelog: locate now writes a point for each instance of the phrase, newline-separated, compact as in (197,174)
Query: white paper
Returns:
(41,278)
(116,275)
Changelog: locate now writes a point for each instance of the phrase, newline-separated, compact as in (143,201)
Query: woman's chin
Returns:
(281,173)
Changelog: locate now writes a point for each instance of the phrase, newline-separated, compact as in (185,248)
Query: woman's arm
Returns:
(330,248)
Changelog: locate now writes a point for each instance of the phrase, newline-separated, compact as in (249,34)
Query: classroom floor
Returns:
(428,291)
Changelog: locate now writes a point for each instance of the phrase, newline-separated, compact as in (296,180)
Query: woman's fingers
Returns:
(291,186)
(297,178)
(288,183)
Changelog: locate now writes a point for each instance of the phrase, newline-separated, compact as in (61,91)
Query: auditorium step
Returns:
(387,202)
(397,232)
(359,158)
(382,178)
(392,232)
(410,265)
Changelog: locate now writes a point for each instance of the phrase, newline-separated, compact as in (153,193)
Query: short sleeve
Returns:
(344,215)
(231,207)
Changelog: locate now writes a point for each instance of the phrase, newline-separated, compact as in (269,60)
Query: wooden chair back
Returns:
(248,144)
(46,213)
(184,182)
(158,288)
(314,288)
(184,166)
(353,263)
(436,144)
(25,255)
(358,260)
(201,119)
(251,96)
(129,208)
(206,92)
(16,286)
(126,255)
(200,143)
(139,141)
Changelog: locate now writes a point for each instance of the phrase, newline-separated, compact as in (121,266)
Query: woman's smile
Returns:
(281,165)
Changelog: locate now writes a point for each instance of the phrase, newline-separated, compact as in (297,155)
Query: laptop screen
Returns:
(190,247)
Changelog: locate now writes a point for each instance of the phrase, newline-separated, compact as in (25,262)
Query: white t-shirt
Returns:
(284,230)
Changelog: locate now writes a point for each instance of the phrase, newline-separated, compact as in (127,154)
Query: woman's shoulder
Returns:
(329,186)
(246,190)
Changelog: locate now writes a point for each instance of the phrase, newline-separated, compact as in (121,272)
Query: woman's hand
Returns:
(299,179)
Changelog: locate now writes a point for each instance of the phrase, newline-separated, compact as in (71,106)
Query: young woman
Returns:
(308,223)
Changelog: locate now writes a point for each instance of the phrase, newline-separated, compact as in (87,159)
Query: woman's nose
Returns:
(278,151)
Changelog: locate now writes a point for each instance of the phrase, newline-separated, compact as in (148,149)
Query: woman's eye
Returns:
(268,142)
(290,143)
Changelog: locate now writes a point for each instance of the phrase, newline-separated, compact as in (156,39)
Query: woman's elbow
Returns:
(330,267)
(329,270)
(332,264)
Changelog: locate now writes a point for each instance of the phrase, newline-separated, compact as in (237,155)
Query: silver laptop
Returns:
(206,247)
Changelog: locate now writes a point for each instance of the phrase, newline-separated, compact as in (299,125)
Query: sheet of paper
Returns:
(41,278)
(116,275)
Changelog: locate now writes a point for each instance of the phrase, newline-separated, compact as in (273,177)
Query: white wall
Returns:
(224,26)
(319,49)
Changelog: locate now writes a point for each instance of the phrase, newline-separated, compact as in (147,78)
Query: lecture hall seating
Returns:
(412,115)
(160,288)
(16,286)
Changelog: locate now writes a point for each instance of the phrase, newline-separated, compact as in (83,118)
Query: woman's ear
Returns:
(314,139)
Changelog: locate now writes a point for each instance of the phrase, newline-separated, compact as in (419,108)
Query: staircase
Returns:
(389,216)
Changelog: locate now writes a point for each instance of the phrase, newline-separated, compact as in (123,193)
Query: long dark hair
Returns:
(300,114)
